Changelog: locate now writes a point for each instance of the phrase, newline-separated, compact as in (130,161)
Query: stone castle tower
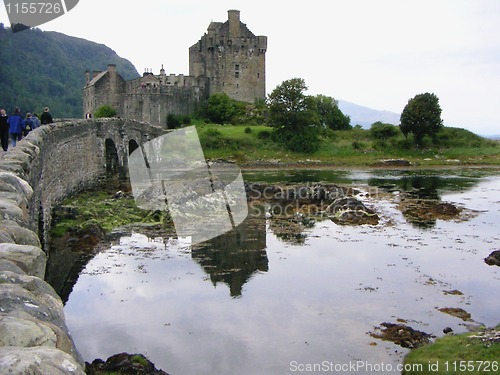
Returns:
(232,58)
(229,59)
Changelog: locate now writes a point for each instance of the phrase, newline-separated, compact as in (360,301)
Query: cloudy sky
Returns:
(376,53)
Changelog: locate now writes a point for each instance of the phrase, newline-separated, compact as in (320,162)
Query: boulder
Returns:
(351,211)
(123,363)
(493,259)
(31,259)
(12,232)
(25,333)
(39,360)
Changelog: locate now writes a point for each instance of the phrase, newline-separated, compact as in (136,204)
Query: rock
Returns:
(447,330)
(12,232)
(10,210)
(123,363)
(402,335)
(31,259)
(7,265)
(25,333)
(425,212)
(21,303)
(16,184)
(457,312)
(39,360)
(493,259)
(350,211)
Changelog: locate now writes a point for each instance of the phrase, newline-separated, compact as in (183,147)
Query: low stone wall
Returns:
(53,162)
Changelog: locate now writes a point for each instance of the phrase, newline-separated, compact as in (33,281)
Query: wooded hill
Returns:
(45,68)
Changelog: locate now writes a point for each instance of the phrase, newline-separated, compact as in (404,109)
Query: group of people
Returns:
(16,126)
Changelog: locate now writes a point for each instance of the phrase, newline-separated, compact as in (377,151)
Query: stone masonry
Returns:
(52,162)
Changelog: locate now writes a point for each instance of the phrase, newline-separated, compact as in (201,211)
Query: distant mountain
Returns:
(365,116)
(45,68)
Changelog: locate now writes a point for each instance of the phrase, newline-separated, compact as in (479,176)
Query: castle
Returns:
(228,58)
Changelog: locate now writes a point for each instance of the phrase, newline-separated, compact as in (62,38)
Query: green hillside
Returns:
(45,68)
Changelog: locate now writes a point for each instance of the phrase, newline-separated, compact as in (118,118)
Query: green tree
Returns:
(330,114)
(220,108)
(421,117)
(294,115)
(105,111)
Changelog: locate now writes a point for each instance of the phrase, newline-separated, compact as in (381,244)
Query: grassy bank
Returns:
(249,145)
(455,354)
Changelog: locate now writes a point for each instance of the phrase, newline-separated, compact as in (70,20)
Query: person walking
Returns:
(29,124)
(16,126)
(36,120)
(46,117)
(4,129)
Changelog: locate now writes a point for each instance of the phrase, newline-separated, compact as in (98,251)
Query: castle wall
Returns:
(152,98)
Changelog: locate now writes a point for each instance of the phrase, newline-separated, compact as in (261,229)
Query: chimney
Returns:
(234,23)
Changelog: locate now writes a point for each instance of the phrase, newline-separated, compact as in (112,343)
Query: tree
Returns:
(105,111)
(330,114)
(421,117)
(295,116)
(220,108)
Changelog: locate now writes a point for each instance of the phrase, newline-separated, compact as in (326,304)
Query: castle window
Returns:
(236,74)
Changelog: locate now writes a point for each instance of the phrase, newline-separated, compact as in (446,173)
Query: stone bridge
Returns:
(51,163)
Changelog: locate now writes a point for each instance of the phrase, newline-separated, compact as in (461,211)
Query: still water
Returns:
(260,302)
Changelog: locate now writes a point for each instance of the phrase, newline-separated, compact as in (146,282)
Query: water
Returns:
(255,302)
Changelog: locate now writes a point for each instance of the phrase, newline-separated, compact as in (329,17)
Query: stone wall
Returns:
(53,162)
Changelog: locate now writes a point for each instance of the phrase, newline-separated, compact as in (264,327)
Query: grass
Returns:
(455,354)
(453,146)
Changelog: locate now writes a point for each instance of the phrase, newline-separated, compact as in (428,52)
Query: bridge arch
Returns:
(111,156)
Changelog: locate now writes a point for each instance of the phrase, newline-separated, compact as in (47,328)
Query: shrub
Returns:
(264,134)
(173,121)
(302,140)
(357,145)
(380,130)
(105,111)
(248,130)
